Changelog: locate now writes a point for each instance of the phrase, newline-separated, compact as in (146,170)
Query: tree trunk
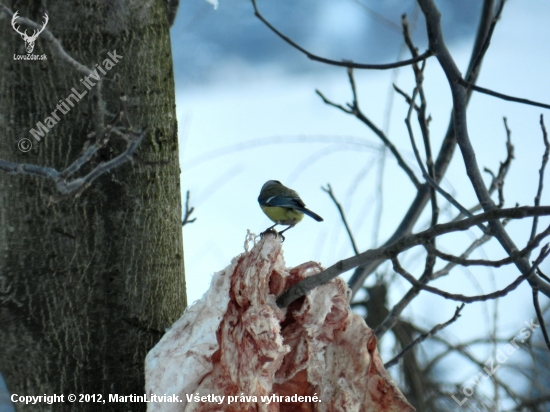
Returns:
(89,283)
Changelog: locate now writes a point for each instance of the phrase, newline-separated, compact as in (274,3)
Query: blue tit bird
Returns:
(283,205)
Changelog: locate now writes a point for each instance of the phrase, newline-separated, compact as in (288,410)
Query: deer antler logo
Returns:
(29,40)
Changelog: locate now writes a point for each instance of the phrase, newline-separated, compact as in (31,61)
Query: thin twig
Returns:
(425,174)
(542,275)
(483,42)
(464,352)
(476,244)
(503,170)
(423,337)
(399,307)
(354,109)
(406,97)
(502,96)
(497,182)
(423,122)
(188,211)
(463,298)
(328,190)
(541,173)
(341,63)
(540,317)
(530,404)
(532,244)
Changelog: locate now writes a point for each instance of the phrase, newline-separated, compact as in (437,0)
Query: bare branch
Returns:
(497,182)
(503,170)
(405,243)
(423,337)
(541,173)
(540,317)
(502,96)
(425,174)
(445,152)
(459,93)
(330,103)
(542,275)
(342,63)
(462,350)
(406,97)
(483,39)
(356,111)
(78,185)
(188,211)
(328,190)
(423,121)
(530,404)
(463,298)
(397,309)
(534,243)
(476,244)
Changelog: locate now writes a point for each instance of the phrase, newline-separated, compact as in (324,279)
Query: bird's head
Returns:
(271,183)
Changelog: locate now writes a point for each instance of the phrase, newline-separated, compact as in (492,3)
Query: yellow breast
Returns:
(282,215)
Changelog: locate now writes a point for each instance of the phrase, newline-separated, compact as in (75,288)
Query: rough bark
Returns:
(88,284)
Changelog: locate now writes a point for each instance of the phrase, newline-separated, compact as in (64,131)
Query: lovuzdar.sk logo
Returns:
(29,40)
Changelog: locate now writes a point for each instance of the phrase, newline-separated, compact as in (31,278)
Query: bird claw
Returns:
(272,232)
(269,231)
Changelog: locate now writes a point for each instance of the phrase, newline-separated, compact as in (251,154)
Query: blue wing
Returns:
(282,201)
(290,202)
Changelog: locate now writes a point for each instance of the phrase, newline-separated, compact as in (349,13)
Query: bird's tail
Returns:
(312,214)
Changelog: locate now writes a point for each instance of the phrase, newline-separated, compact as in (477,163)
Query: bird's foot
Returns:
(271,231)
